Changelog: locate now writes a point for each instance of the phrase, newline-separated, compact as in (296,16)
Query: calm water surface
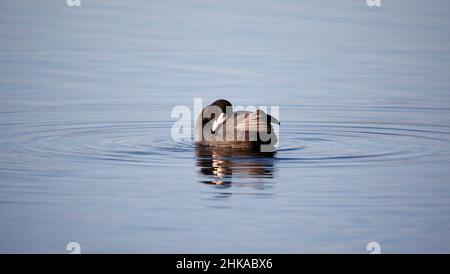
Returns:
(86,154)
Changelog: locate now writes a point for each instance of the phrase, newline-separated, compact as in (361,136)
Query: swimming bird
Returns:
(219,126)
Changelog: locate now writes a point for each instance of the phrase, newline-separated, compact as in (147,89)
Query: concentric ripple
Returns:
(341,143)
(309,143)
(24,146)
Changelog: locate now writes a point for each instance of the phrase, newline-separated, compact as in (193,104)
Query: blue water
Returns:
(86,154)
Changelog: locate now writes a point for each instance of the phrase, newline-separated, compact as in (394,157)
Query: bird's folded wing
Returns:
(257,121)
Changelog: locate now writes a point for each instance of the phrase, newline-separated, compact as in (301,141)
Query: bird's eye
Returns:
(213,115)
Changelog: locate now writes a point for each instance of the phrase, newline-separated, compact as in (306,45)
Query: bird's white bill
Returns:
(218,121)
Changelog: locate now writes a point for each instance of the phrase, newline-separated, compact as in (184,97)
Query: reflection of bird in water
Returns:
(220,165)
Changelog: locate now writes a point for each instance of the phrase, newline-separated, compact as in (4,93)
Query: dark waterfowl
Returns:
(219,126)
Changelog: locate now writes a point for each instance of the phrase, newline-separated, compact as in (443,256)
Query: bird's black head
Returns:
(216,113)
(222,104)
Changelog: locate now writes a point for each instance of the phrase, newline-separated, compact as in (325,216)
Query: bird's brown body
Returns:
(243,130)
